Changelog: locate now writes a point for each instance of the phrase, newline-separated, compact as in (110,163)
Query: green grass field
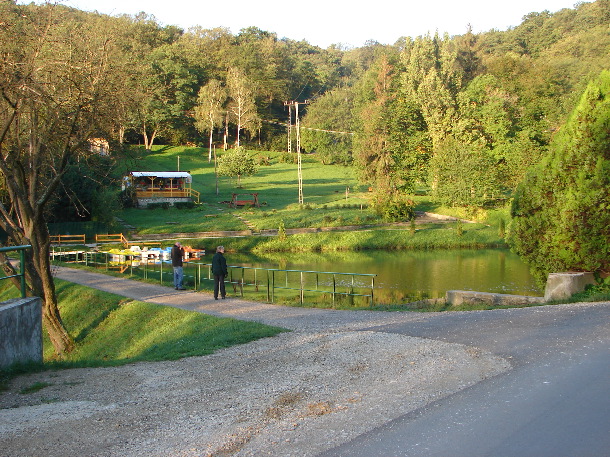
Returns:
(332,198)
(326,202)
(111,330)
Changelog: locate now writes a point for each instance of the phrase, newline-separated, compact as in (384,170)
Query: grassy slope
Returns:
(111,330)
(326,205)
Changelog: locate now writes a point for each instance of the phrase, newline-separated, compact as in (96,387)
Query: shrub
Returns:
(287,157)
(128,198)
(184,205)
(459,228)
(162,205)
(502,228)
(281,231)
(263,160)
(395,208)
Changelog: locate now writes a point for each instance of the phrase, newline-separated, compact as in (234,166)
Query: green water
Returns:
(414,274)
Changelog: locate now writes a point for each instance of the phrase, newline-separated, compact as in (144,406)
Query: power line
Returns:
(310,128)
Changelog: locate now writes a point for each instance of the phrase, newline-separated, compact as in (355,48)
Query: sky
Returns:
(325,22)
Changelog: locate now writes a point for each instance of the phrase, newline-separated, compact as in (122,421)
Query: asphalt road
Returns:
(555,402)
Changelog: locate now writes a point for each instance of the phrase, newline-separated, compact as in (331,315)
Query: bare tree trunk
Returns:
(121,134)
(210,146)
(148,141)
(226,134)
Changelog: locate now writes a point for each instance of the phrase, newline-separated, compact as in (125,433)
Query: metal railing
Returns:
(21,274)
(271,280)
(308,281)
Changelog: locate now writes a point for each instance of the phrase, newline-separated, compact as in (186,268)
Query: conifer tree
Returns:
(561,217)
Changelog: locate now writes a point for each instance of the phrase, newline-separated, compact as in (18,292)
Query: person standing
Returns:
(219,270)
(177,256)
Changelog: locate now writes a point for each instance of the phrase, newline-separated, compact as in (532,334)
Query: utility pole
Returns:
(298,129)
(215,169)
(289,128)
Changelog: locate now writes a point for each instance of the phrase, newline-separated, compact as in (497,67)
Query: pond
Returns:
(414,274)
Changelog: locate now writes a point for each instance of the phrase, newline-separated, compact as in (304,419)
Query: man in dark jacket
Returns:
(177,256)
(219,270)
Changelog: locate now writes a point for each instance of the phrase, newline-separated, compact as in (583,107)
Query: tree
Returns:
(561,217)
(326,129)
(242,106)
(373,156)
(237,162)
(391,141)
(53,82)
(209,112)
(433,78)
(170,86)
(464,174)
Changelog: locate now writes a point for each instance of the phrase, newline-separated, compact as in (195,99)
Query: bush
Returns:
(281,232)
(184,205)
(395,208)
(162,205)
(128,199)
(263,160)
(287,157)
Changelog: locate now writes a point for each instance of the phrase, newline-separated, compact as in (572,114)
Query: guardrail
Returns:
(271,280)
(21,274)
(67,239)
(308,281)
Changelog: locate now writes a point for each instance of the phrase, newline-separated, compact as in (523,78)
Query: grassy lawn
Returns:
(112,330)
(326,202)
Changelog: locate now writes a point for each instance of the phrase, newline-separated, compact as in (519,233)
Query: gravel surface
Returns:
(296,394)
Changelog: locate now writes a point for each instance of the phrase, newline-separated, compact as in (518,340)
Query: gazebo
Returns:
(161,186)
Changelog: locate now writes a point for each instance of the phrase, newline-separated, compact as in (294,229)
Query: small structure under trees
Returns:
(161,187)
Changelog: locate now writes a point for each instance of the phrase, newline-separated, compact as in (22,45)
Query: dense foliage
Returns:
(561,210)
(460,117)
(237,163)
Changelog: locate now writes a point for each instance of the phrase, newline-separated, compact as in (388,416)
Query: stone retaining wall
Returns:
(559,286)
(458,297)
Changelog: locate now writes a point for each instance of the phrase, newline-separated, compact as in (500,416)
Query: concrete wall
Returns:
(559,286)
(143,202)
(20,331)
(457,297)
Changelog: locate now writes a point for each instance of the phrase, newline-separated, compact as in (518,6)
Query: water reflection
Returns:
(428,274)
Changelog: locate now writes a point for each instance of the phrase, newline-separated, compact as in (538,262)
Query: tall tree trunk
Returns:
(121,134)
(226,134)
(43,286)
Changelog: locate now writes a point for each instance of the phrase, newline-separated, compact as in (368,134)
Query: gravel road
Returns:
(298,394)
